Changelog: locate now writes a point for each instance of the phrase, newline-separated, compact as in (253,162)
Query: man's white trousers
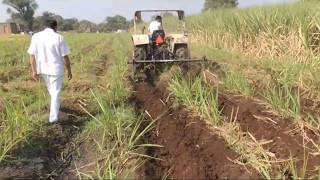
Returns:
(54,86)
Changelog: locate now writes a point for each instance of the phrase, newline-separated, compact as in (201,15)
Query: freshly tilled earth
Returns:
(190,149)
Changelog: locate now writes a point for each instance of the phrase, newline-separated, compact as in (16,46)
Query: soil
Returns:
(190,149)
(100,67)
(49,152)
(10,75)
(265,125)
(310,106)
(80,85)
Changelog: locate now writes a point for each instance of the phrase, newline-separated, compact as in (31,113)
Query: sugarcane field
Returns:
(209,89)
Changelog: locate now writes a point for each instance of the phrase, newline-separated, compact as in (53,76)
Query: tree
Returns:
(22,10)
(39,21)
(215,4)
(69,24)
(87,26)
(117,22)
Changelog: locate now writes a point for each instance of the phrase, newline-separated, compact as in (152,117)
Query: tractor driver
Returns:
(155,25)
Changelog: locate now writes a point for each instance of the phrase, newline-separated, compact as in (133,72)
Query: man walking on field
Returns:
(48,55)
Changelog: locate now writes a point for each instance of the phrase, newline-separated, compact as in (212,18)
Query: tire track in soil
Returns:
(256,118)
(190,149)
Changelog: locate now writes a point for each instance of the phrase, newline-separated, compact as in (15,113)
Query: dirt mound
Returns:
(190,149)
(265,125)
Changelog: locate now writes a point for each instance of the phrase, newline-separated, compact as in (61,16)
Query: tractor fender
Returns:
(178,40)
(140,39)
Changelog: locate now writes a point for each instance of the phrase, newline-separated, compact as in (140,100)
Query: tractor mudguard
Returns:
(140,39)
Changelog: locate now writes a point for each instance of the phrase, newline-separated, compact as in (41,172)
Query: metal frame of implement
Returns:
(204,59)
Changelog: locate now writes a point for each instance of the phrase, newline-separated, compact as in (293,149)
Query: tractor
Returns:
(155,53)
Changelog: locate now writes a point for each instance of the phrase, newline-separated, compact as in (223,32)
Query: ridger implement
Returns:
(154,53)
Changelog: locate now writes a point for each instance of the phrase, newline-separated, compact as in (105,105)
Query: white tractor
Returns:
(156,52)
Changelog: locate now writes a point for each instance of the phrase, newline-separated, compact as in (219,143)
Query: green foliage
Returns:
(22,10)
(14,127)
(281,93)
(114,23)
(87,26)
(63,24)
(73,24)
(236,82)
(192,94)
(39,21)
(276,21)
(215,4)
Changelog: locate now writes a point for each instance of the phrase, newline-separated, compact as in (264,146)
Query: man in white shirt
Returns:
(155,25)
(48,55)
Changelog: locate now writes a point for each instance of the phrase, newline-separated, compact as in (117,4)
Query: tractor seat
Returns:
(158,37)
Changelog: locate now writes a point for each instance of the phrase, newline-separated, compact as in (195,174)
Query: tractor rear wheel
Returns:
(182,53)
(139,53)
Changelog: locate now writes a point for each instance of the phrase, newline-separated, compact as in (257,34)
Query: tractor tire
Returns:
(140,53)
(182,53)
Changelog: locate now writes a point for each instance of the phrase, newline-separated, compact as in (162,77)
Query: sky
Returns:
(98,10)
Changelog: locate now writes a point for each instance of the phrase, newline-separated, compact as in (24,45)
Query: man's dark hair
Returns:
(159,18)
(51,23)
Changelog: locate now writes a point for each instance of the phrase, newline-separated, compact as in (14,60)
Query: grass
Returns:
(235,81)
(261,31)
(284,99)
(115,132)
(193,95)
(15,127)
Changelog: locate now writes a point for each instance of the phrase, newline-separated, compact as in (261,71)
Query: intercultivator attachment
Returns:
(203,60)
(143,69)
